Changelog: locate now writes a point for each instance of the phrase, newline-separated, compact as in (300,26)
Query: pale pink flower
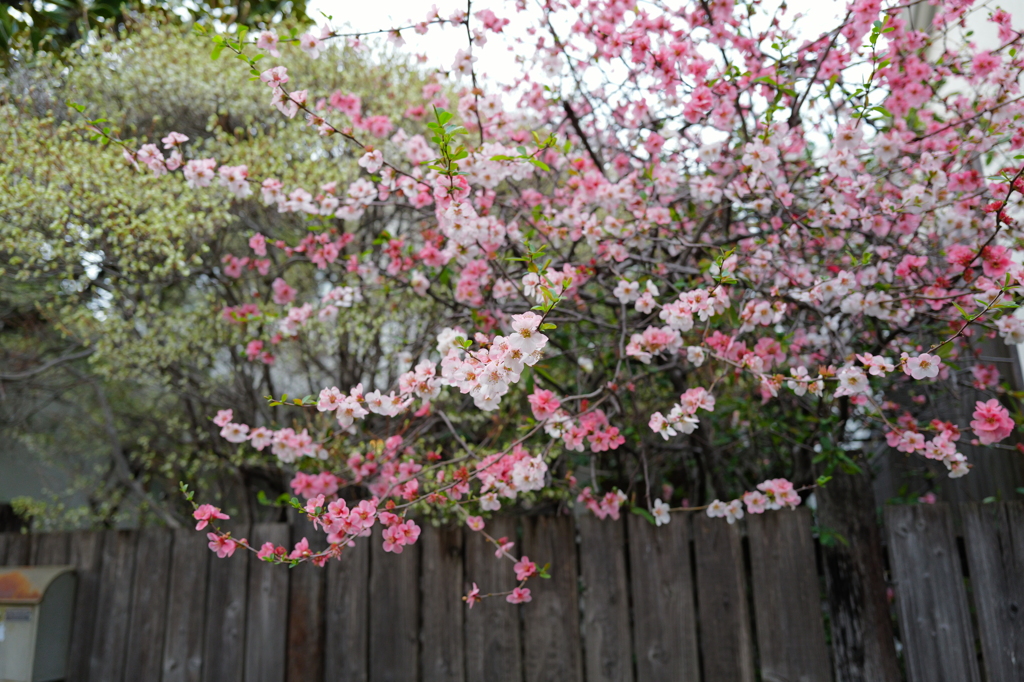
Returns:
(520,595)
(992,422)
(205,513)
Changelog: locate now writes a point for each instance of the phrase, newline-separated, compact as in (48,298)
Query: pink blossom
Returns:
(543,403)
(992,422)
(206,513)
(525,568)
(283,292)
(520,595)
(222,545)
(475,522)
(473,596)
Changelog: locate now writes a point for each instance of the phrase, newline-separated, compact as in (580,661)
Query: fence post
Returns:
(935,622)
(862,635)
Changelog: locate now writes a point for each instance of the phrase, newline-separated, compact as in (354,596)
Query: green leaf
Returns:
(217,49)
(640,511)
(822,480)
(540,164)
(548,325)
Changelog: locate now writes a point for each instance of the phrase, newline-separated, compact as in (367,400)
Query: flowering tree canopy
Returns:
(685,248)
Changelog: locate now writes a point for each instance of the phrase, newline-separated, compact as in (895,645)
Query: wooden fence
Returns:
(695,600)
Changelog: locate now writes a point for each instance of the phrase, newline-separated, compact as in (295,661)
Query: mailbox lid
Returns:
(28,584)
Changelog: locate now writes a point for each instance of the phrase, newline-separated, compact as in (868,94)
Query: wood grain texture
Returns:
(18,549)
(442,644)
(395,612)
(347,615)
(149,605)
(267,610)
(109,646)
(608,650)
(994,538)
(86,555)
(226,602)
(49,549)
(934,618)
(665,623)
(306,609)
(726,639)
(787,597)
(863,648)
(183,644)
(493,643)
(551,622)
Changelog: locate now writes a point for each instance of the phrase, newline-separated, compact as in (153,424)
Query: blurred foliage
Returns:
(29,26)
(111,283)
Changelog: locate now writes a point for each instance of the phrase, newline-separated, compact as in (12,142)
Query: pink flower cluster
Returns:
(606,506)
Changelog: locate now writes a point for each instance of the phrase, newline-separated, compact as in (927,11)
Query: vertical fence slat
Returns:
(348,580)
(493,643)
(787,597)
(17,549)
(183,647)
(224,646)
(109,647)
(726,641)
(3,548)
(149,605)
(394,612)
(932,603)
(665,628)
(994,536)
(49,549)
(86,553)
(266,628)
(607,638)
(441,639)
(306,610)
(551,633)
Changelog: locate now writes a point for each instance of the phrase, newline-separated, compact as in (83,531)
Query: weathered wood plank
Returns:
(493,643)
(665,625)
(994,536)
(18,549)
(551,622)
(49,549)
(726,640)
(347,617)
(3,548)
(931,600)
(860,624)
(149,605)
(228,583)
(183,646)
(109,648)
(787,597)
(395,612)
(86,555)
(266,620)
(306,609)
(607,638)
(441,636)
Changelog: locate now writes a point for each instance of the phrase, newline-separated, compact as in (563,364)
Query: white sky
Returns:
(497,57)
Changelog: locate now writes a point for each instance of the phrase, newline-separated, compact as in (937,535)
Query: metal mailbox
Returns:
(36,604)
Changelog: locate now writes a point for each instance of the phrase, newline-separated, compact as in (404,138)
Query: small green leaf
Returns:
(640,511)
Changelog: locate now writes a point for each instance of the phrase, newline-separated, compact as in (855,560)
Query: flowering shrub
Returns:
(691,233)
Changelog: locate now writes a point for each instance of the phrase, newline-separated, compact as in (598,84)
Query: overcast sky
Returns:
(495,58)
